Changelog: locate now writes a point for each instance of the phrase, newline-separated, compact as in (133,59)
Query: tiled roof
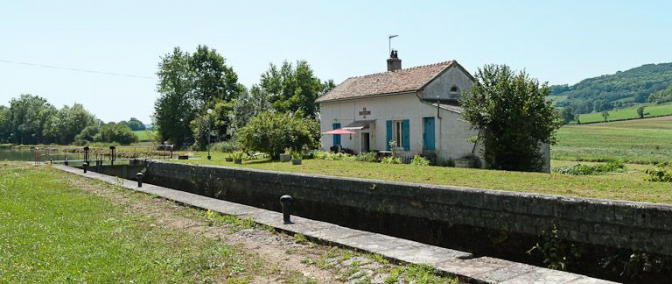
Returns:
(403,80)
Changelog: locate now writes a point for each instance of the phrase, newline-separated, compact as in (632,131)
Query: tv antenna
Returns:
(389,42)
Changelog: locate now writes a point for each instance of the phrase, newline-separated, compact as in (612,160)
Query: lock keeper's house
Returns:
(417,107)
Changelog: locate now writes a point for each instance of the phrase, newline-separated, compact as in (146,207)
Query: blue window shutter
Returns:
(389,135)
(337,138)
(406,129)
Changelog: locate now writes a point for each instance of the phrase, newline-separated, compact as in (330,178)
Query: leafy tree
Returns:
(135,124)
(213,80)
(190,84)
(248,105)
(66,123)
(293,89)
(217,123)
(605,115)
(174,110)
(5,130)
(116,132)
(27,118)
(87,135)
(272,133)
(513,117)
(640,111)
(567,115)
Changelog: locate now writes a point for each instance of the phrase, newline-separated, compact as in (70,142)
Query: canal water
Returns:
(74,159)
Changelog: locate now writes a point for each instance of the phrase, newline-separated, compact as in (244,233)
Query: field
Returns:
(52,232)
(628,185)
(145,135)
(60,228)
(643,141)
(627,113)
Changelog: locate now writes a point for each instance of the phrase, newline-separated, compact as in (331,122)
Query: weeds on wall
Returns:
(556,253)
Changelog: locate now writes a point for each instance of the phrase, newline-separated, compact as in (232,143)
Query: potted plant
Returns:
(285,157)
(296,157)
(229,158)
(237,157)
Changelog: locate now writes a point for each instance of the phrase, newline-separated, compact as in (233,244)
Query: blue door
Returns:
(428,136)
(337,138)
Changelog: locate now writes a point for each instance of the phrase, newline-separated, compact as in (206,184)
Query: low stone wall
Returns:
(435,214)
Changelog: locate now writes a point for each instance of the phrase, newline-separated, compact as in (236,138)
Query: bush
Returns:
(328,156)
(367,157)
(419,161)
(391,160)
(226,146)
(580,169)
(272,133)
(658,174)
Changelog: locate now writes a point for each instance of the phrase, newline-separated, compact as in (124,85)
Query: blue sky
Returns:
(555,41)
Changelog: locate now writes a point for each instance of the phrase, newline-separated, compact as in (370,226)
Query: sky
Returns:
(121,42)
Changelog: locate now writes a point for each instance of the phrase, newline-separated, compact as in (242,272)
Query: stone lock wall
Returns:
(436,214)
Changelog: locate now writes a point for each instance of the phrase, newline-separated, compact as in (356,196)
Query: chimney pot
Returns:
(393,63)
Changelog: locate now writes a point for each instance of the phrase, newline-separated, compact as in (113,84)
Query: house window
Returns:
(398,132)
(454,89)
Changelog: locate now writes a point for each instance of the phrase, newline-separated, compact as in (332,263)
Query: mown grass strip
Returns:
(51,231)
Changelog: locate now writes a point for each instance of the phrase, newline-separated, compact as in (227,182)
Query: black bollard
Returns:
(286,202)
(86,166)
(139,177)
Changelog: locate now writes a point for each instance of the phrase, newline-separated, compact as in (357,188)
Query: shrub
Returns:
(238,155)
(391,160)
(271,133)
(658,174)
(328,156)
(580,169)
(226,146)
(419,161)
(367,157)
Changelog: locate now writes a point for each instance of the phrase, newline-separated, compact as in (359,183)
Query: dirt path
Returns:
(286,259)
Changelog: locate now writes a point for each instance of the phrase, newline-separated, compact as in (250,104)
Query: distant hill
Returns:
(647,83)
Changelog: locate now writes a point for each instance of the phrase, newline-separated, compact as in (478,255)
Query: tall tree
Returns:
(512,115)
(248,105)
(5,125)
(66,123)
(28,116)
(213,80)
(174,109)
(293,89)
(135,124)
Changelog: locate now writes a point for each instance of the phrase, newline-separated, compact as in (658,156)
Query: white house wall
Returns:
(441,86)
(451,133)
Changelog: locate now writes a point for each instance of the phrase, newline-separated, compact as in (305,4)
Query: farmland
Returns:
(643,141)
(627,113)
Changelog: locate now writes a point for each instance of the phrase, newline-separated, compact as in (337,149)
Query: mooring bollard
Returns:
(286,201)
(86,166)
(139,177)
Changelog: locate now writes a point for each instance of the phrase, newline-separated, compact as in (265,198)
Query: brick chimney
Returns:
(393,63)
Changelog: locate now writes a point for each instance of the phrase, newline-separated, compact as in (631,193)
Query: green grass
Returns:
(627,185)
(145,135)
(627,113)
(51,231)
(644,141)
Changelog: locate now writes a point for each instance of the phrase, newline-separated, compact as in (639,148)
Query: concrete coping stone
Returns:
(445,261)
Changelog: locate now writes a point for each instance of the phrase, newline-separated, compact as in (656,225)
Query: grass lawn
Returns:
(145,135)
(644,141)
(627,113)
(629,185)
(51,231)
